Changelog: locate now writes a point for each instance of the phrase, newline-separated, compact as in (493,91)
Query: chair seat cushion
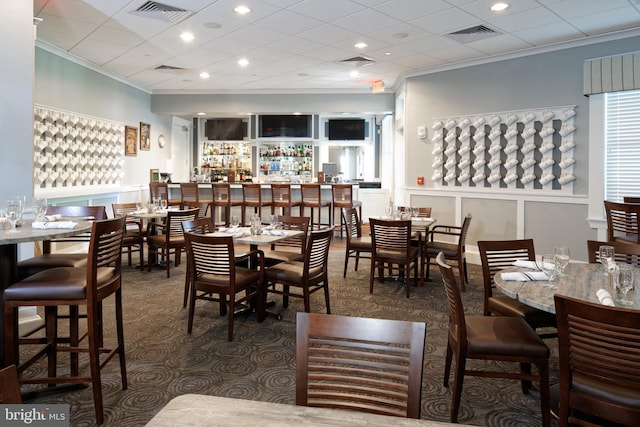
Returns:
(450,250)
(62,283)
(608,391)
(506,306)
(362,244)
(272,256)
(398,254)
(37,264)
(502,335)
(291,273)
(161,239)
(245,278)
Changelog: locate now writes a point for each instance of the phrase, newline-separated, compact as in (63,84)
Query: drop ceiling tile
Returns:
(523,20)
(569,9)
(499,44)
(122,36)
(288,22)
(97,51)
(400,33)
(295,45)
(481,9)
(330,54)
(62,34)
(366,21)
(408,10)
(446,21)
(327,34)
(612,20)
(256,35)
(327,10)
(76,10)
(549,33)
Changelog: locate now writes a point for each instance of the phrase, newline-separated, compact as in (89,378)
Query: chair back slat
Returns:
(342,192)
(390,235)
(625,252)
(623,221)
(211,255)
(298,223)
(368,365)
(221,192)
(310,193)
(175,219)
(352,223)
(317,252)
(457,324)
(280,193)
(252,192)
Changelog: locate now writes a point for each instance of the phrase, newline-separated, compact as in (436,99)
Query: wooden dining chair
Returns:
(496,338)
(631,199)
(623,221)
(9,386)
(391,246)
(357,244)
(624,252)
(496,255)
(599,361)
(361,364)
(300,279)
(342,197)
(453,251)
(48,258)
(168,237)
(135,234)
(73,287)
(292,248)
(213,269)
(200,225)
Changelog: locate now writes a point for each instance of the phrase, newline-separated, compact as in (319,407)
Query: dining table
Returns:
(9,254)
(579,280)
(198,410)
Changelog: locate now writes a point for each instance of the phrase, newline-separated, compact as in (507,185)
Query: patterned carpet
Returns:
(163,361)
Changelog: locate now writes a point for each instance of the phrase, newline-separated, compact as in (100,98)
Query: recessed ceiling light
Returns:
(354,73)
(243,62)
(296,113)
(204,75)
(499,7)
(201,114)
(387,53)
(242,10)
(187,37)
(360,45)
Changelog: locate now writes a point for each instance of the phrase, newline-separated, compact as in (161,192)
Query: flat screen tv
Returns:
(292,126)
(224,129)
(346,129)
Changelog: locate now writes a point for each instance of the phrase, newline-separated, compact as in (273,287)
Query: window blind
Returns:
(622,147)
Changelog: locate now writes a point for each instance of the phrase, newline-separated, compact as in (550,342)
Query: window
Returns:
(622,145)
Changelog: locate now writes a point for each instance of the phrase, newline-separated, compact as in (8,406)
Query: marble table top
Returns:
(580,281)
(211,411)
(28,234)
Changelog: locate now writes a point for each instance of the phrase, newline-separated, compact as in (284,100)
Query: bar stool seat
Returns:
(312,198)
(342,196)
(281,198)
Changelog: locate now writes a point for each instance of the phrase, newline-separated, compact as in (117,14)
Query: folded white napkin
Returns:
(240,233)
(605,297)
(524,276)
(419,219)
(526,264)
(274,232)
(141,211)
(54,224)
(51,218)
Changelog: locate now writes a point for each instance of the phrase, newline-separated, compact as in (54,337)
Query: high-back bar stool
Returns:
(190,198)
(342,197)
(281,198)
(161,191)
(311,197)
(252,197)
(222,199)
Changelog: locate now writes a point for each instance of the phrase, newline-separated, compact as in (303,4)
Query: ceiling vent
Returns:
(170,68)
(472,34)
(358,61)
(163,12)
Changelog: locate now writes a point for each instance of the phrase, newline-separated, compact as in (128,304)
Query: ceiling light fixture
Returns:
(187,37)
(360,45)
(201,114)
(243,62)
(242,10)
(204,75)
(354,73)
(499,7)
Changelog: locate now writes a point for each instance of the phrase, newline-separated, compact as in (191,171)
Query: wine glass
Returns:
(256,224)
(13,212)
(40,206)
(415,211)
(548,266)
(389,211)
(626,281)
(562,259)
(163,204)
(235,221)
(273,220)
(607,257)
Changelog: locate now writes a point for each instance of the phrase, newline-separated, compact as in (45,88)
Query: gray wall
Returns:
(545,80)
(16,98)
(65,85)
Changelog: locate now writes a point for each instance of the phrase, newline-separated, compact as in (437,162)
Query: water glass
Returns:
(562,259)
(548,266)
(626,282)
(256,225)
(40,206)
(607,257)
(13,212)
(163,204)
(235,221)
(273,221)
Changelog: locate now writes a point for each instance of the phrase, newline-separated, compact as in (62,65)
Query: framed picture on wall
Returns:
(130,141)
(154,175)
(145,136)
